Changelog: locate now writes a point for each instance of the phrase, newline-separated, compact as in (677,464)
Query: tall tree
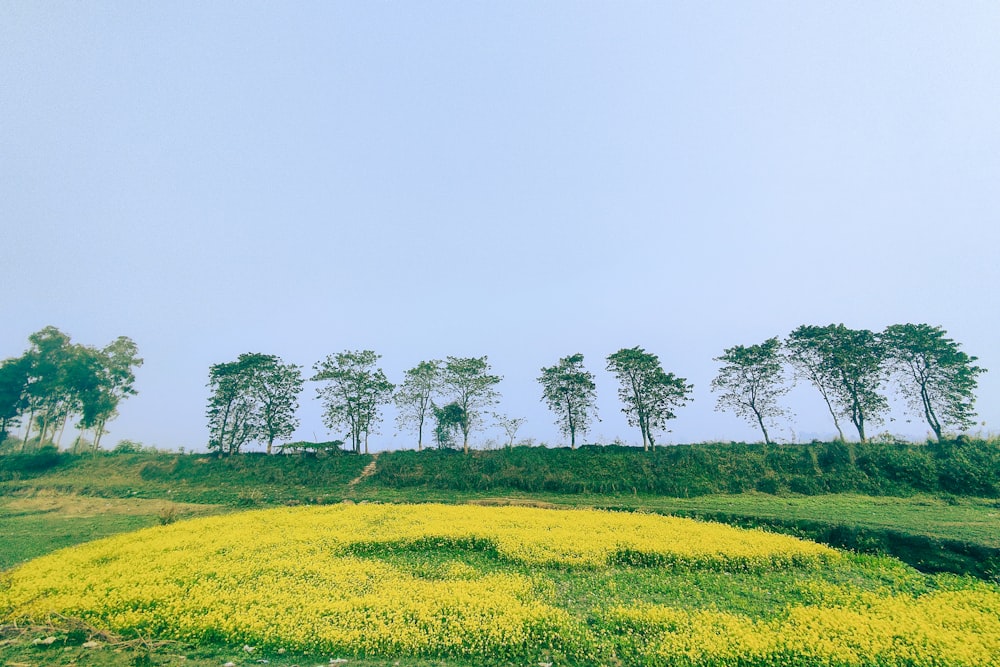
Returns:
(751,382)
(83,375)
(847,366)
(413,397)
(61,380)
(469,383)
(936,378)
(13,392)
(276,387)
(650,395)
(356,390)
(48,353)
(570,392)
(253,399)
(805,351)
(118,361)
(233,415)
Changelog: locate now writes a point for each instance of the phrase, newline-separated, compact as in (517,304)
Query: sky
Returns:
(520,180)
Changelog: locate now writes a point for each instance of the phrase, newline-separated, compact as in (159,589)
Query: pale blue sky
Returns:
(522,180)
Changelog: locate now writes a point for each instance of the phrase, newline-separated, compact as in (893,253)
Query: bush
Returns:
(34,462)
(960,467)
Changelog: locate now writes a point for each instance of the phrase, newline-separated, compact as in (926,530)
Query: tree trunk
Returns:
(760,422)
(62,430)
(767,439)
(860,422)
(833,413)
(27,429)
(929,411)
(43,430)
(572,426)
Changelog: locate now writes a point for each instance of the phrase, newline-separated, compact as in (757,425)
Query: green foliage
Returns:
(253,398)
(14,375)
(570,392)
(848,367)
(750,383)
(127,447)
(413,397)
(56,380)
(448,421)
(682,471)
(649,394)
(355,391)
(697,480)
(27,464)
(937,379)
(467,381)
(232,409)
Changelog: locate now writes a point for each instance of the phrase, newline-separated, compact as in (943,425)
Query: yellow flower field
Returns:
(486,583)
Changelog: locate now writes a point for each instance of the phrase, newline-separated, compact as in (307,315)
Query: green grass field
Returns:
(79,499)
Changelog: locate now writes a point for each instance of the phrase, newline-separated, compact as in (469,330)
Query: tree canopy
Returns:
(649,394)
(750,382)
(413,398)
(253,399)
(847,366)
(467,381)
(571,394)
(937,379)
(355,391)
(56,380)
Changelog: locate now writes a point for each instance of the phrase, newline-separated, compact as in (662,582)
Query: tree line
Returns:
(56,382)
(851,369)
(448,398)
(451,398)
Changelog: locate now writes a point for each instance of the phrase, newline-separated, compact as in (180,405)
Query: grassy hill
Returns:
(934,506)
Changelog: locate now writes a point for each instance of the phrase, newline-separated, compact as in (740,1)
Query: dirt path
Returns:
(367,472)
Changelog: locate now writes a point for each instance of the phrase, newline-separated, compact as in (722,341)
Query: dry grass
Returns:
(71,505)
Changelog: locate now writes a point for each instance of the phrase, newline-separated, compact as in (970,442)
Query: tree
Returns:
(233,418)
(356,390)
(116,382)
(649,394)
(936,378)
(849,368)
(60,379)
(413,398)
(570,392)
(253,399)
(13,388)
(47,354)
(510,426)
(751,382)
(805,351)
(447,421)
(468,382)
(276,387)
